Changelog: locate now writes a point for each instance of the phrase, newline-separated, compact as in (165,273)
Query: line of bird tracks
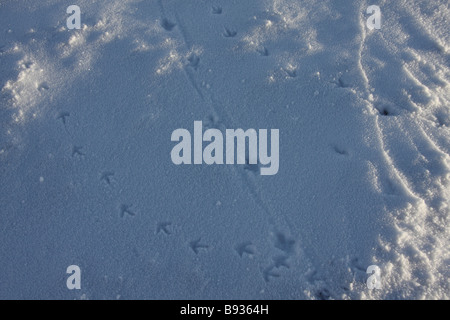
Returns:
(221,119)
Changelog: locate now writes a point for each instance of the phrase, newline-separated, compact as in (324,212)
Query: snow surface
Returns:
(86,176)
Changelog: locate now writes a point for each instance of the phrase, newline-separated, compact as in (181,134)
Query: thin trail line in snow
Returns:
(191,79)
(183,31)
(161,8)
(225,117)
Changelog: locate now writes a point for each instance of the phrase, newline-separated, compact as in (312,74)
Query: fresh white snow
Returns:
(86,176)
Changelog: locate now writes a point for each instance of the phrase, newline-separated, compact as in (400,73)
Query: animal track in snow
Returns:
(284,243)
(269,273)
(340,151)
(323,294)
(27,65)
(281,261)
(292,73)
(76,151)
(196,245)
(356,265)
(251,167)
(43,87)
(63,117)
(229,33)
(162,227)
(212,122)
(216,10)
(106,176)
(263,52)
(194,61)
(167,25)
(244,248)
(342,84)
(387,111)
(125,209)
